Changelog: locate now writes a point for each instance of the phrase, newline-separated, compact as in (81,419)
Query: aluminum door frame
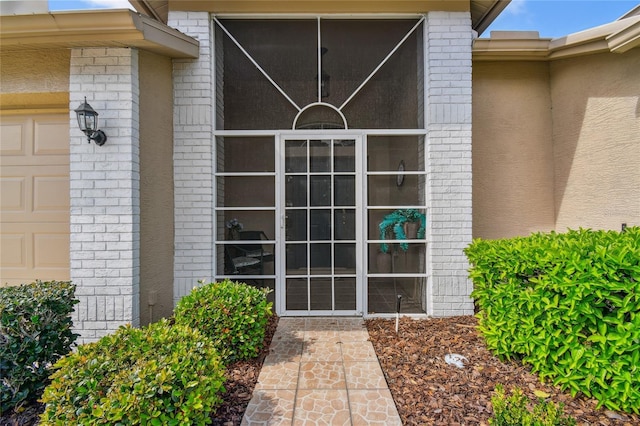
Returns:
(360,275)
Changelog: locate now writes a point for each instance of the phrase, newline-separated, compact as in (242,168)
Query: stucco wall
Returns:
(156,187)
(35,71)
(512,149)
(596,130)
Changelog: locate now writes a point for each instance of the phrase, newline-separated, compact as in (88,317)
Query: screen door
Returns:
(320,226)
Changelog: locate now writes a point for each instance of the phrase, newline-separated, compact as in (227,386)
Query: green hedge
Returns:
(233,315)
(35,331)
(568,305)
(157,375)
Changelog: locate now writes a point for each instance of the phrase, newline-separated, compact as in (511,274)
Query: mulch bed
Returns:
(428,391)
(242,377)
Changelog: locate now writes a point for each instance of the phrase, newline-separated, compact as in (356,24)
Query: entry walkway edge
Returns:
(321,371)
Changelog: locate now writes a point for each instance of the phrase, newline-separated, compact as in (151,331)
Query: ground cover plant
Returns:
(35,331)
(513,410)
(568,305)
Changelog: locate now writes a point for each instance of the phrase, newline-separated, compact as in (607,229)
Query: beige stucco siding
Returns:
(156,187)
(35,71)
(596,131)
(512,149)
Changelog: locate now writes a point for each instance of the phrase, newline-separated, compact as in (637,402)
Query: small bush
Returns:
(568,305)
(513,411)
(157,375)
(35,331)
(233,315)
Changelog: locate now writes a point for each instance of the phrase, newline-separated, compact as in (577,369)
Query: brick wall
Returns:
(448,81)
(193,156)
(104,192)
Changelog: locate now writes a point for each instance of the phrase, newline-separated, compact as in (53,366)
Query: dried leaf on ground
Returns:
(428,391)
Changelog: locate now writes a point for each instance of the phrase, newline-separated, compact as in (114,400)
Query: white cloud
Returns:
(516,8)
(109,4)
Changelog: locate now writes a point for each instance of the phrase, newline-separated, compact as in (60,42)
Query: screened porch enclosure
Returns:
(320,136)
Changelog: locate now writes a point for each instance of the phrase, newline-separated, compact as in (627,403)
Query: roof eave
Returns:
(515,49)
(483,22)
(158,9)
(618,36)
(103,28)
(625,39)
(154,8)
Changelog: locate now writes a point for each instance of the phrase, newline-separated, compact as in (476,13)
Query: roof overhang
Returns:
(483,12)
(96,28)
(618,36)
(625,39)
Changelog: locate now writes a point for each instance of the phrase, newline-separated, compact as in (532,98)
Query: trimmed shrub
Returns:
(568,305)
(157,375)
(514,411)
(35,331)
(233,315)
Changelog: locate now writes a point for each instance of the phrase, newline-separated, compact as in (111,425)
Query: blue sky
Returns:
(556,18)
(552,18)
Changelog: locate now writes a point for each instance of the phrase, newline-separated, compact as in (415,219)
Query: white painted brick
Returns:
(95,325)
(108,77)
(193,155)
(449,160)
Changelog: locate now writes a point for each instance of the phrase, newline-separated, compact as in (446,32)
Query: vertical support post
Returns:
(105,193)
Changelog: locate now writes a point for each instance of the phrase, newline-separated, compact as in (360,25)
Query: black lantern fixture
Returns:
(88,123)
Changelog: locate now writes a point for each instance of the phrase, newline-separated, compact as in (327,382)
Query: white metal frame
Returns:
(321,105)
(319,61)
(360,273)
(217,174)
(361,136)
(366,208)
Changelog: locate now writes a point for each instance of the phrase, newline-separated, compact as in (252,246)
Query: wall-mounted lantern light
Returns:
(88,123)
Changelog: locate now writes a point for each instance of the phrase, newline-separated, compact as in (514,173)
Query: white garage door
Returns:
(34,198)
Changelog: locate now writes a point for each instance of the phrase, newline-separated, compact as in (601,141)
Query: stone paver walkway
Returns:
(321,371)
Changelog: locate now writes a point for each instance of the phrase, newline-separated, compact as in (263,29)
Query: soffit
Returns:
(318,6)
(483,12)
(97,28)
(158,9)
